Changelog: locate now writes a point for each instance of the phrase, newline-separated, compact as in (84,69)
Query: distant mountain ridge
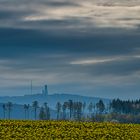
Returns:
(19,101)
(50,99)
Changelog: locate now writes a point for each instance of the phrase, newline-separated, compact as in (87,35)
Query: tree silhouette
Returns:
(84,106)
(42,114)
(4,110)
(90,108)
(26,109)
(35,106)
(48,114)
(58,108)
(64,107)
(79,110)
(75,108)
(9,107)
(70,106)
(100,106)
(94,108)
(45,104)
(47,111)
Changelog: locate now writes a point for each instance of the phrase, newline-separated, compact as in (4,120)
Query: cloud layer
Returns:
(61,14)
(84,47)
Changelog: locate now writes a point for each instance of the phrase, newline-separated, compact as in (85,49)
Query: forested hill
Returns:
(50,99)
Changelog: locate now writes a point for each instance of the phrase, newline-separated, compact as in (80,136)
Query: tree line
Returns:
(76,110)
(67,110)
(119,110)
(125,107)
(8,108)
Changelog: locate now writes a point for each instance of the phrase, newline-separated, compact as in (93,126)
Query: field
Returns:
(57,130)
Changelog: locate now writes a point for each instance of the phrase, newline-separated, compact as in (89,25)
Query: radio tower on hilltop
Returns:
(45,90)
(31,87)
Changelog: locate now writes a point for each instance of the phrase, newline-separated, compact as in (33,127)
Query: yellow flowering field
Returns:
(66,130)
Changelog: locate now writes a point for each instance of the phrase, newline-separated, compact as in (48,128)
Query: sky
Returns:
(84,47)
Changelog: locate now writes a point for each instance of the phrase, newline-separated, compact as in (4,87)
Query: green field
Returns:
(49,130)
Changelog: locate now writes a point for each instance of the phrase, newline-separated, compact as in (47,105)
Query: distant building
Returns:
(45,90)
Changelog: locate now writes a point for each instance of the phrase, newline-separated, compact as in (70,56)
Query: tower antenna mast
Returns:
(31,87)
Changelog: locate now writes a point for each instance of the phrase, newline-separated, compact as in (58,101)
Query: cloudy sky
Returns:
(85,47)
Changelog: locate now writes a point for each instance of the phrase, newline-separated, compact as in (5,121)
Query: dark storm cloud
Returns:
(38,46)
(40,41)
(8,14)
(61,3)
(122,67)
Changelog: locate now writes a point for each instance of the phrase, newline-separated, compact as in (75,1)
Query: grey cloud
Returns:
(90,14)
(56,71)
(117,68)
(62,3)
(17,42)
(40,39)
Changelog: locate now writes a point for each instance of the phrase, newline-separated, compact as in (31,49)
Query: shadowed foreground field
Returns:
(51,130)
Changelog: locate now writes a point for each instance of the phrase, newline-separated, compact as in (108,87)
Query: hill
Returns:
(50,99)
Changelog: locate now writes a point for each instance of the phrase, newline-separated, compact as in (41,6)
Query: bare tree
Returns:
(35,106)
(70,106)
(26,109)
(4,110)
(47,111)
(100,106)
(9,107)
(58,108)
(42,114)
(90,108)
(84,107)
(64,107)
